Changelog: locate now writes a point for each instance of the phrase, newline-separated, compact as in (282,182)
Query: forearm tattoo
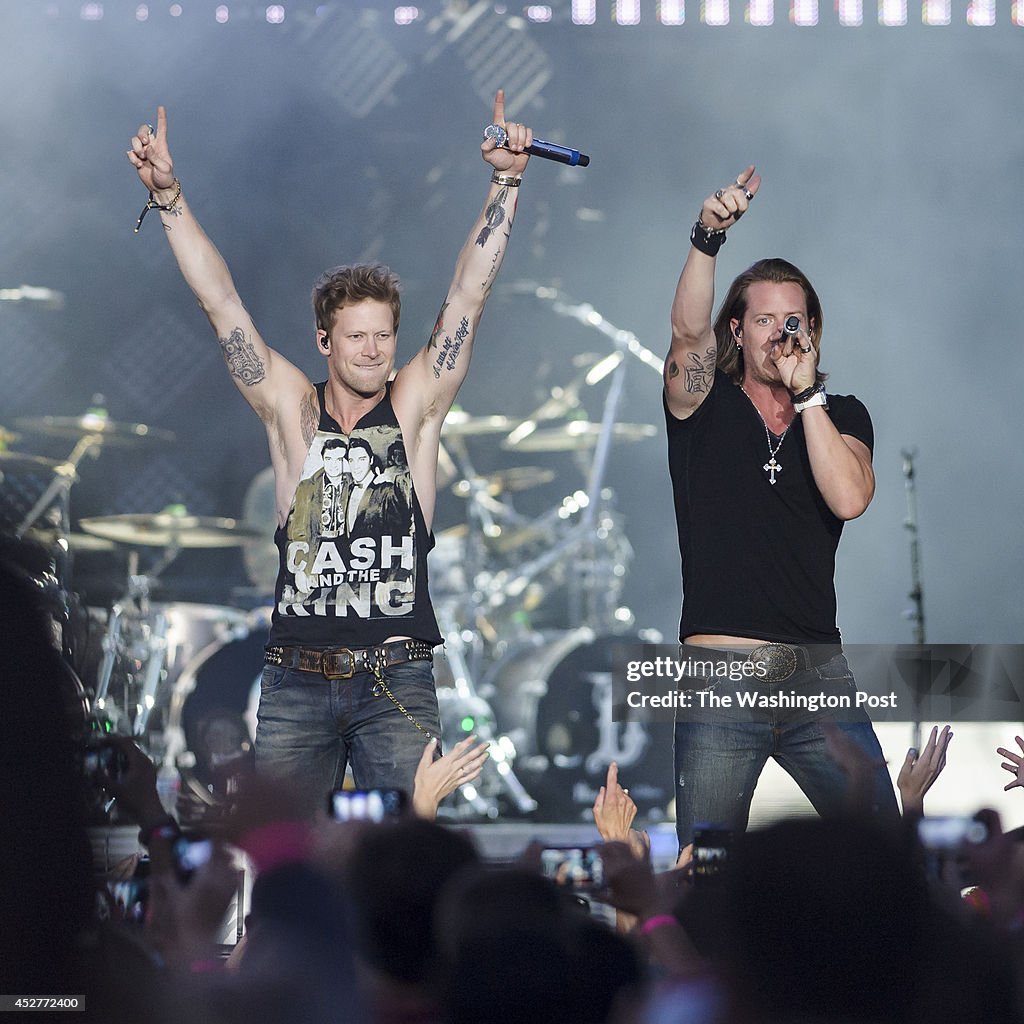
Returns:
(241,358)
(448,355)
(438,326)
(308,417)
(700,373)
(494,215)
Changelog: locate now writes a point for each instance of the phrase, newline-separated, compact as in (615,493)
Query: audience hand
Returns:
(1014,764)
(614,812)
(436,779)
(919,771)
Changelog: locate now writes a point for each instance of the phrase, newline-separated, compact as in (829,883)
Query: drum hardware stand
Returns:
(128,612)
(915,613)
(497,768)
(583,603)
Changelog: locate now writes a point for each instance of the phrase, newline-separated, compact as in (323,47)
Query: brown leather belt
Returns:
(343,663)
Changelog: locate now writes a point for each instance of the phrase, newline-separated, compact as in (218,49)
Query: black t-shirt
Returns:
(758,559)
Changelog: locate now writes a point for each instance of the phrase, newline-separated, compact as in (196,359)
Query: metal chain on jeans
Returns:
(381,687)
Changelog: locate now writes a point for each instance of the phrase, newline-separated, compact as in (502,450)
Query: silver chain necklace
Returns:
(771,467)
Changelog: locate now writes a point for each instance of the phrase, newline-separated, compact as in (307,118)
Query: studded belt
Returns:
(777,662)
(344,663)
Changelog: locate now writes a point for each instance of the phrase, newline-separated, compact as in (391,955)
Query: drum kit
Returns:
(530,606)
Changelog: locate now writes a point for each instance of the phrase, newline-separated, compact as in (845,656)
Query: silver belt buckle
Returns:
(779,660)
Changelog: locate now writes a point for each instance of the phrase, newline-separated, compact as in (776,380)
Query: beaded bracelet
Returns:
(152,204)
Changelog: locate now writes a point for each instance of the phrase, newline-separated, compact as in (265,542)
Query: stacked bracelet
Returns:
(707,240)
(508,180)
(809,397)
(152,204)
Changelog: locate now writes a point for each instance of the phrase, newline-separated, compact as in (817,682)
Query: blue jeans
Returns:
(719,755)
(309,727)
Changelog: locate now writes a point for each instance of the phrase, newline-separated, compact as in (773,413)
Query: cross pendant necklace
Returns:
(771,467)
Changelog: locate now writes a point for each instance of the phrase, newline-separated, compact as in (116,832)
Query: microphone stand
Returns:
(916,610)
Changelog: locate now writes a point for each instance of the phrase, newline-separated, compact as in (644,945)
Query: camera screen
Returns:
(578,867)
(366,804)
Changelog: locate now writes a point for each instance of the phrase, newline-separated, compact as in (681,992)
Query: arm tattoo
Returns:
(438,326)
(448,356)
(700,373)
(494,215)
(308,417)
(241,358)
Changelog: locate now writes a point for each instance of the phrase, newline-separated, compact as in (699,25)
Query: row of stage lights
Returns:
(629,12)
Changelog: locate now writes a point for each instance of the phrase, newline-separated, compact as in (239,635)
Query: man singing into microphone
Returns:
(766,467)
(348,673)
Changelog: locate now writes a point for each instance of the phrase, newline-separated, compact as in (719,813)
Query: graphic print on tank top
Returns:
(350,544)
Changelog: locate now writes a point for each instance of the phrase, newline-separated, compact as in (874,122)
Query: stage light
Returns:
(584,12)
(804,12)
(760,12)
(1017,12)
(275,14)
(672,12)
(981,12)
(406,15)
(627,12)
(892,12)
(91,12)
(850,12)
(221,14)
(538,13)
(714,12)
(174,10)
(141,13)
(936,12)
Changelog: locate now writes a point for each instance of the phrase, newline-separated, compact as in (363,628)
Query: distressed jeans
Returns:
(309,728)
(719,754)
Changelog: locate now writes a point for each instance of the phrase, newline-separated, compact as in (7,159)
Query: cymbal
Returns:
(70,541)
(11,461)
(519,478)
(75,427)
(577,434)
(460,424)
(166,529)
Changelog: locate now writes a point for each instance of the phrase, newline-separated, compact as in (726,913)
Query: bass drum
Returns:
(213,705)
(553,699)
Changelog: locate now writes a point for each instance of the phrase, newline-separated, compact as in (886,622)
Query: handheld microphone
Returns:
(545,150)
(791,325)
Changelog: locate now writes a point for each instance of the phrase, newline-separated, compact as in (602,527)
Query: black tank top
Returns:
(353,551)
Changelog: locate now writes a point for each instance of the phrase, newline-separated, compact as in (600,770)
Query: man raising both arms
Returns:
(348,673)
(765,470)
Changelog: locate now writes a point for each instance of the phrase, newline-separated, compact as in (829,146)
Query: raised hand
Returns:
(920,770)
(726,205)
(510,158)
(1014,764)
(150,155)
(435,779)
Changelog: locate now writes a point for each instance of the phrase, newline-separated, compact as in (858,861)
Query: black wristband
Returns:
(808,392)
(706,240)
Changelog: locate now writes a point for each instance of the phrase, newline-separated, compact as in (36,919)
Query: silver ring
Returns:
(747,193)
(720,193)
(805,350)
(152,131)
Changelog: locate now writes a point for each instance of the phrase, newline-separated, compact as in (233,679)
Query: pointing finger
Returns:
(499,107)
(161,123)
